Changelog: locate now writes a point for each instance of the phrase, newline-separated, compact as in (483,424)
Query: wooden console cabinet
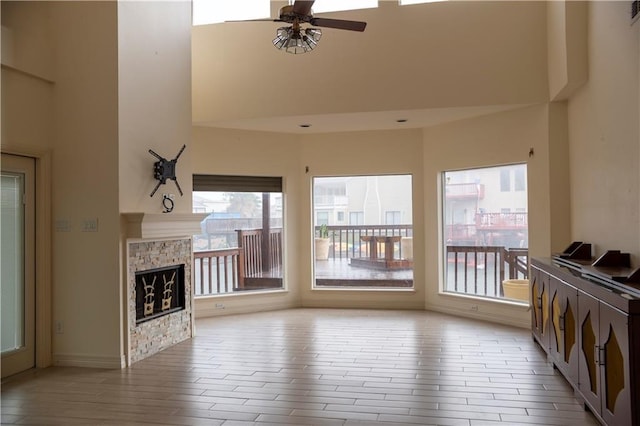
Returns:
(587,320)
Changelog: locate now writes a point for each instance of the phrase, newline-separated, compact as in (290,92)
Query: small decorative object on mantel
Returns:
(164,169)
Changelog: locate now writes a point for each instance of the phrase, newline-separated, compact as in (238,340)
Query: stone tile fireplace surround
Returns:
(155,241)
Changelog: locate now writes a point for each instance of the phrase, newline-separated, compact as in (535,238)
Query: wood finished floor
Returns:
(313,366)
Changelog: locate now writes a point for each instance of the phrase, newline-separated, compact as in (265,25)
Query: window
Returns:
(241,242)
(520,179)
(322,218)
(217,11)
(486,230)
(406,2)
(356,218)
(392,217)
(505,180)
(322,6)
(340,217)
(375,250)
(513,177)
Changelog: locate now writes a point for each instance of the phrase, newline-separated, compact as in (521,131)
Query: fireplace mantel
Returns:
(162,225)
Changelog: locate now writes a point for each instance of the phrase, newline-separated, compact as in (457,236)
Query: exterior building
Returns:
(363,200)
(486,206)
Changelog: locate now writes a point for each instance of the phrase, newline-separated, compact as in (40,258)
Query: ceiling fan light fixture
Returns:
(283,35)
(293,40)
(314,34)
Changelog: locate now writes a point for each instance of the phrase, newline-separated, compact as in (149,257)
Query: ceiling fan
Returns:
(296,39)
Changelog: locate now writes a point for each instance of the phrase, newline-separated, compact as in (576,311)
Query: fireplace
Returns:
(159,292)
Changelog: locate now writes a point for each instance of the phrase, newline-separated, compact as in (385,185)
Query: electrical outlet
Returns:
(59,327)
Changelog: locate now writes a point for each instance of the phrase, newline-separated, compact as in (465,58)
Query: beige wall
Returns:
(566,47)
(219,151)
(154,112)
(27,129)
(27,86)
(493,57)
(502,138)
(497,139)
(85,184)
(604,135)
(154,101)
(27,43)
(98,104)
(82,93)
(359,153)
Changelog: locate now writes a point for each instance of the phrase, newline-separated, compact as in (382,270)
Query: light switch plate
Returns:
(90,225)
(63,225)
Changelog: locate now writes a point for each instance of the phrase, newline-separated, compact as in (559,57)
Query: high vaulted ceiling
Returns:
(426,63)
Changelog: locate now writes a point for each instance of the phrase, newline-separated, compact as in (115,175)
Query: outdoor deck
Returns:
(338,272)
(256,264)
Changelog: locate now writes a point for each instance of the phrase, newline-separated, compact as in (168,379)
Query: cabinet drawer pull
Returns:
(599,355)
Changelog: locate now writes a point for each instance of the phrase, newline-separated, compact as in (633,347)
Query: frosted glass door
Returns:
(12,275)
(17,273)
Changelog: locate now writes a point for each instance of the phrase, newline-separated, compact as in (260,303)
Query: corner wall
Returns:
(353,154)
(154,101)
(604,135)
(220,151)
(86,302)
(491,140)
(154,112)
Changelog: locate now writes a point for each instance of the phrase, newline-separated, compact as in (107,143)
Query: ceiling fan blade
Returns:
(302,7)
(256,20)
(338,24)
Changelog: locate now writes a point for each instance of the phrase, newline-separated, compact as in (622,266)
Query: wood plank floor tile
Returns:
(317,367)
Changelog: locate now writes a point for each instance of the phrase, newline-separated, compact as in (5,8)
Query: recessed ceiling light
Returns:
(401,120)
(305,125)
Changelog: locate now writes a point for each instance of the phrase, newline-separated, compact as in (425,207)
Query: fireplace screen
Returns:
(159,292)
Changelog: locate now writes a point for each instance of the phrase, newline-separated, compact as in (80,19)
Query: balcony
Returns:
(461,191)
(257,263)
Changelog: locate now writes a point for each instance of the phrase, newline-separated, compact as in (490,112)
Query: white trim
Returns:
(43,250)
(89,361)
(206,308)
(162,225)
(491,310)
(492,317)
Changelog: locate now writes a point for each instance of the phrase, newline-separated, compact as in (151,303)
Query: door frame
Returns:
(22,169)
(43,255)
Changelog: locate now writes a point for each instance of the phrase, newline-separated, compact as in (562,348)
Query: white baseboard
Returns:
(89,361)
(483,316)
(208,309)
